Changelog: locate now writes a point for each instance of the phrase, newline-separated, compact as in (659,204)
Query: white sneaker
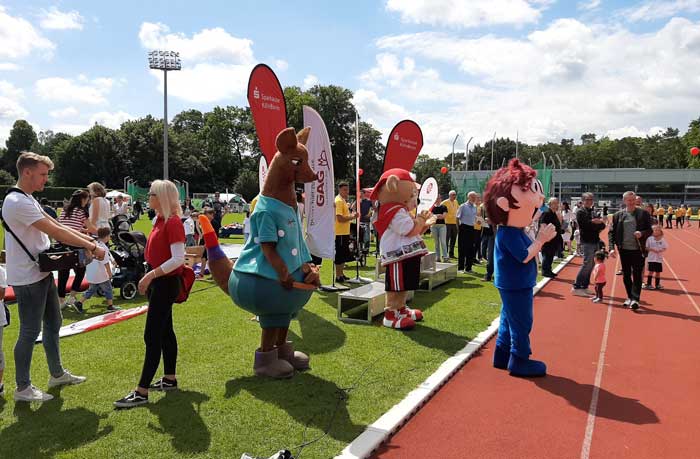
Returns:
(627,302)
(596,300)
(32,394)
(66,379)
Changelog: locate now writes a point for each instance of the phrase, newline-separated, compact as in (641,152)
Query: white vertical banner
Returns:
(262,171)
(319,195)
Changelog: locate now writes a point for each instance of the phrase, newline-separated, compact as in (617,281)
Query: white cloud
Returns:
(10,105)
(215,64)
(69,90)
(8,67)
(205,83)
(281,65)
(468,13)
(653,10)
(19,38)
(310,81)
(588,5)
(633,131)
(70,128)
(561,80)
(54,19)
(68,112)
(111,120)
(215,45)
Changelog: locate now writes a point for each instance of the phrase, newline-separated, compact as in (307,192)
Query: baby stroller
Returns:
(121,224)
(128,254)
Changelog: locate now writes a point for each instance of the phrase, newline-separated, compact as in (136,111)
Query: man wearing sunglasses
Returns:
(589,226)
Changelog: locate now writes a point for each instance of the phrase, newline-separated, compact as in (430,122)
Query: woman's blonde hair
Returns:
(168,197)
(97,189)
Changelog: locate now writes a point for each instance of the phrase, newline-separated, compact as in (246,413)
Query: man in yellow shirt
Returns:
(451,221)
(680,216)
(688,214)
(343,217)
(669,217)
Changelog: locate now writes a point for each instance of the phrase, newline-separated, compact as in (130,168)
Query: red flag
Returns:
(403,146)
(268,107)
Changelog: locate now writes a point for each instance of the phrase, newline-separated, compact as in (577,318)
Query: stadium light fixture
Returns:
(167,61)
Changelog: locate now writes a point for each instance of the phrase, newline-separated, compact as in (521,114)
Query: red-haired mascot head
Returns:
(512,199)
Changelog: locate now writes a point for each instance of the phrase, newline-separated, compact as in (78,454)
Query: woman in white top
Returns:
(566,226)
(99,207)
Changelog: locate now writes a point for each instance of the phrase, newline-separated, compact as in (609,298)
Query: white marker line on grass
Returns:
(590,424)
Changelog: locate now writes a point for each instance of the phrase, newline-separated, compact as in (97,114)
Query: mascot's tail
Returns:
(219,265)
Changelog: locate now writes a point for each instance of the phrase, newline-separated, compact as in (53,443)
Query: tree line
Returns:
(218,149)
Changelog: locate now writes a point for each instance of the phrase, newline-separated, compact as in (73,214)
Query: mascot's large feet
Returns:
(517,366)
(269,364)
(298,360)
(414,314)
(501,356)
(394,319)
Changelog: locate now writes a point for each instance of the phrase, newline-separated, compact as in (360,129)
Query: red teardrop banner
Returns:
(269,109)
(403,146)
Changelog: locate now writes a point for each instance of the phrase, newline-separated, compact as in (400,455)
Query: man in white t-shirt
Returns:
(121,207)
(37,298)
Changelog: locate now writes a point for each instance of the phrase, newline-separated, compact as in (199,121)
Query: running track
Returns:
(620,384)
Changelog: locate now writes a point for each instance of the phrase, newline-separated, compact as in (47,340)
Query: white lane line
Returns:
(590,424)
(690,297)
(676,238)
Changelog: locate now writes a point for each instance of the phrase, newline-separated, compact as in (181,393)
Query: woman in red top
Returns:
(165,253)
(74,216)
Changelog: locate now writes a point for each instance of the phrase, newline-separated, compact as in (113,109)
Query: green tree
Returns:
(6,178)
(247,184)
(426,167)
(98,154)
(21,138)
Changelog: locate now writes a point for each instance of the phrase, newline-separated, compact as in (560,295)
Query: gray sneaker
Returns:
(32,394)
(581,292)
(66,379)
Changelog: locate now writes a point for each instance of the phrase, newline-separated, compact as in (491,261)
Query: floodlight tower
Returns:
(165,61)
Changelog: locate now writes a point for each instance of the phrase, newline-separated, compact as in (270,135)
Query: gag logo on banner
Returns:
(256,93)
(406,143)
(320,188)
(269,102)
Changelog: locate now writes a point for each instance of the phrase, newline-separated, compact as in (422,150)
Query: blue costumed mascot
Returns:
(273,278)
(513,198)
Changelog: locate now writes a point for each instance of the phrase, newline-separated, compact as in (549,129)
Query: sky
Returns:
(541,70)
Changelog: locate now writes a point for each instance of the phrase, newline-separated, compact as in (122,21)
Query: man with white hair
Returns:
(631,227)
(451,221)
(466,215)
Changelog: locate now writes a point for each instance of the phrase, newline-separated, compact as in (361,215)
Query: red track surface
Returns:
(648,398)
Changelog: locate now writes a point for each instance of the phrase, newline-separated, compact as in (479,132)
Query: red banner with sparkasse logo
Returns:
(403,146)
(268,107)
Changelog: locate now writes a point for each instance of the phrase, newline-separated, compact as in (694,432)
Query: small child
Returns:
(246,226)
(599,276)
(188,224)
(3,323)
(99,274)
(656,246)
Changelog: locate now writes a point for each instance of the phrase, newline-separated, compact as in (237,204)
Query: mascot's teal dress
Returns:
(254,285)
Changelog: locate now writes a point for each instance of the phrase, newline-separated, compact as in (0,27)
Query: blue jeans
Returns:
(104,288)
(37,303)
(584,274)
(516,322)
(440,237)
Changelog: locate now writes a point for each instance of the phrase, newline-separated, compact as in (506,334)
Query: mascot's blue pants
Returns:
(267,299)
(516,321)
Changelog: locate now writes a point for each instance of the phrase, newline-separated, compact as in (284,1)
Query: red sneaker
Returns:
(415,314)
(393,319)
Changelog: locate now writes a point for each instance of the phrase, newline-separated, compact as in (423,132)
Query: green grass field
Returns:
(222,410)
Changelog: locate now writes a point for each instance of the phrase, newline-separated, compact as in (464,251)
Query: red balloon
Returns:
(443,170)
(360,172)
(695,151)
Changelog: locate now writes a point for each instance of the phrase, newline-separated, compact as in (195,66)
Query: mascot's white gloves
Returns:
(545,234)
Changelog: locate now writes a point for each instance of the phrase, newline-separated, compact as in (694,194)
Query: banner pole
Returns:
(358,255)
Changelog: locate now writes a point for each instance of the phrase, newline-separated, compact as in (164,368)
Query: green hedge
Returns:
(52,193)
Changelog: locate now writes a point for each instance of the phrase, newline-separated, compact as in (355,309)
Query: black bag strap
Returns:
(7,227)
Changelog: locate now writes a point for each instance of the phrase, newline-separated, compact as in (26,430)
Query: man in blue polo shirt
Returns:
(466,217)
